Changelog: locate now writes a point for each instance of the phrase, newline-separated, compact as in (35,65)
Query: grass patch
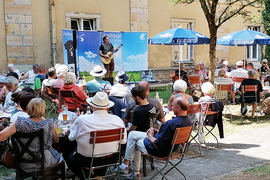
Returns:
(259,171)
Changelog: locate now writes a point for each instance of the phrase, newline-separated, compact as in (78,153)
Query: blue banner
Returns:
(135,55)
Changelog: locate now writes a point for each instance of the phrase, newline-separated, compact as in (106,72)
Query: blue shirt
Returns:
(165,135)
(95,84)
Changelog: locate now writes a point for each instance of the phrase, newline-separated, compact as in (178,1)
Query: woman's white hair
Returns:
(180,85)
(61,70)
(208,88)
(70,78)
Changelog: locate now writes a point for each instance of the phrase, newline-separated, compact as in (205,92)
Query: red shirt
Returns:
(80,97)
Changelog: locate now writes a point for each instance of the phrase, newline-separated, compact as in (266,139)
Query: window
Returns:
(253,53)
(83,24)
(187,50)
(83,21)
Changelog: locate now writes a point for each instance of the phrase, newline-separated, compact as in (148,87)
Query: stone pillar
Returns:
(138,15)
(19,34)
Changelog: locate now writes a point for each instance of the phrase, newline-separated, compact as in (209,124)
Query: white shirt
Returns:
(121,90)
(10,105)
(239,72)
(99,120)
(15,116)
(31,77)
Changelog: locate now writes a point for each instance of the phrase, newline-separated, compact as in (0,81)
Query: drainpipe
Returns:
(53,31)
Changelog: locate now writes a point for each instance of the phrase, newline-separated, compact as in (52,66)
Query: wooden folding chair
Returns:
(180,138)
(194,109)
(24,155)
(50,92)
(207,111)
(252,90)
(105,136)
(224,88)
(66,94)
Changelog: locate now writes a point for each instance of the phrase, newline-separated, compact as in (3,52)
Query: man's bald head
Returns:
(146,85)
(182,102)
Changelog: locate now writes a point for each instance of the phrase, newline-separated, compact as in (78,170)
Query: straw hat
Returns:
(98,71)
(100,100)
(197,68)
(121,76)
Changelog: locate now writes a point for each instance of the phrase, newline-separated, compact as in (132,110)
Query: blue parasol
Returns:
(179,36)
(244,38)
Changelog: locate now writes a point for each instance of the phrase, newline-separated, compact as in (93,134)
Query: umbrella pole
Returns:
(180,57)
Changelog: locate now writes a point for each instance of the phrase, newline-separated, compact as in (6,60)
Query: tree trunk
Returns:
(212,53)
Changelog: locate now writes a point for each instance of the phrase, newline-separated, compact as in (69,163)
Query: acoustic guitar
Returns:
(108,60)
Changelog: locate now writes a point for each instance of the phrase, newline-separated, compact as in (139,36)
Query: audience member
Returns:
(218,69)
(121,89)
(16,97)
(79,131)
(11,84)
(154,142)
(250,66)
(29,77)
(179,87)
(140,114)
(49,82)
(203,71)
(132,105)
(251,81)
(97,83)
(222,80)
(25,99)
(265,66)
(41,72)
(80,97)
(36,109)
(61,72)
(239,73)
(228,69)
(208,91)
(12,69)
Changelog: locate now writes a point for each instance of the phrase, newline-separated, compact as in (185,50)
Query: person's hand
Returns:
(106,56)
(151,131)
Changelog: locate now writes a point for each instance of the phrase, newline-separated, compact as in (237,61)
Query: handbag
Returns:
(8,159)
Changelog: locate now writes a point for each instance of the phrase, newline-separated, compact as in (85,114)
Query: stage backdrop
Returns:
(132,56)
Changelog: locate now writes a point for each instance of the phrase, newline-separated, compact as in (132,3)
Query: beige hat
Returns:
(100,100)
(197,68)
(264,61)
(98,71)
(239,63)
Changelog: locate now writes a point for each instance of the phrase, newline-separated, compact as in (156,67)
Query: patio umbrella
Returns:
(244,38)
(179,36)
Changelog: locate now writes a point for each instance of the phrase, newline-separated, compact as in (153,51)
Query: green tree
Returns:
(266,22)
(215,18)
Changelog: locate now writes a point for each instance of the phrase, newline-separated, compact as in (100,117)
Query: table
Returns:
(154,85)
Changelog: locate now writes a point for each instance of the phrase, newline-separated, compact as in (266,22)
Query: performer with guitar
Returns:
(106,51)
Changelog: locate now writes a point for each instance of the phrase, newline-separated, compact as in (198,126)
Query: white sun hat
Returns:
(100,100)
(98,71)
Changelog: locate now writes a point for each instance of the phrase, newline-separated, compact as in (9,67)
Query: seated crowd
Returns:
(142,134)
